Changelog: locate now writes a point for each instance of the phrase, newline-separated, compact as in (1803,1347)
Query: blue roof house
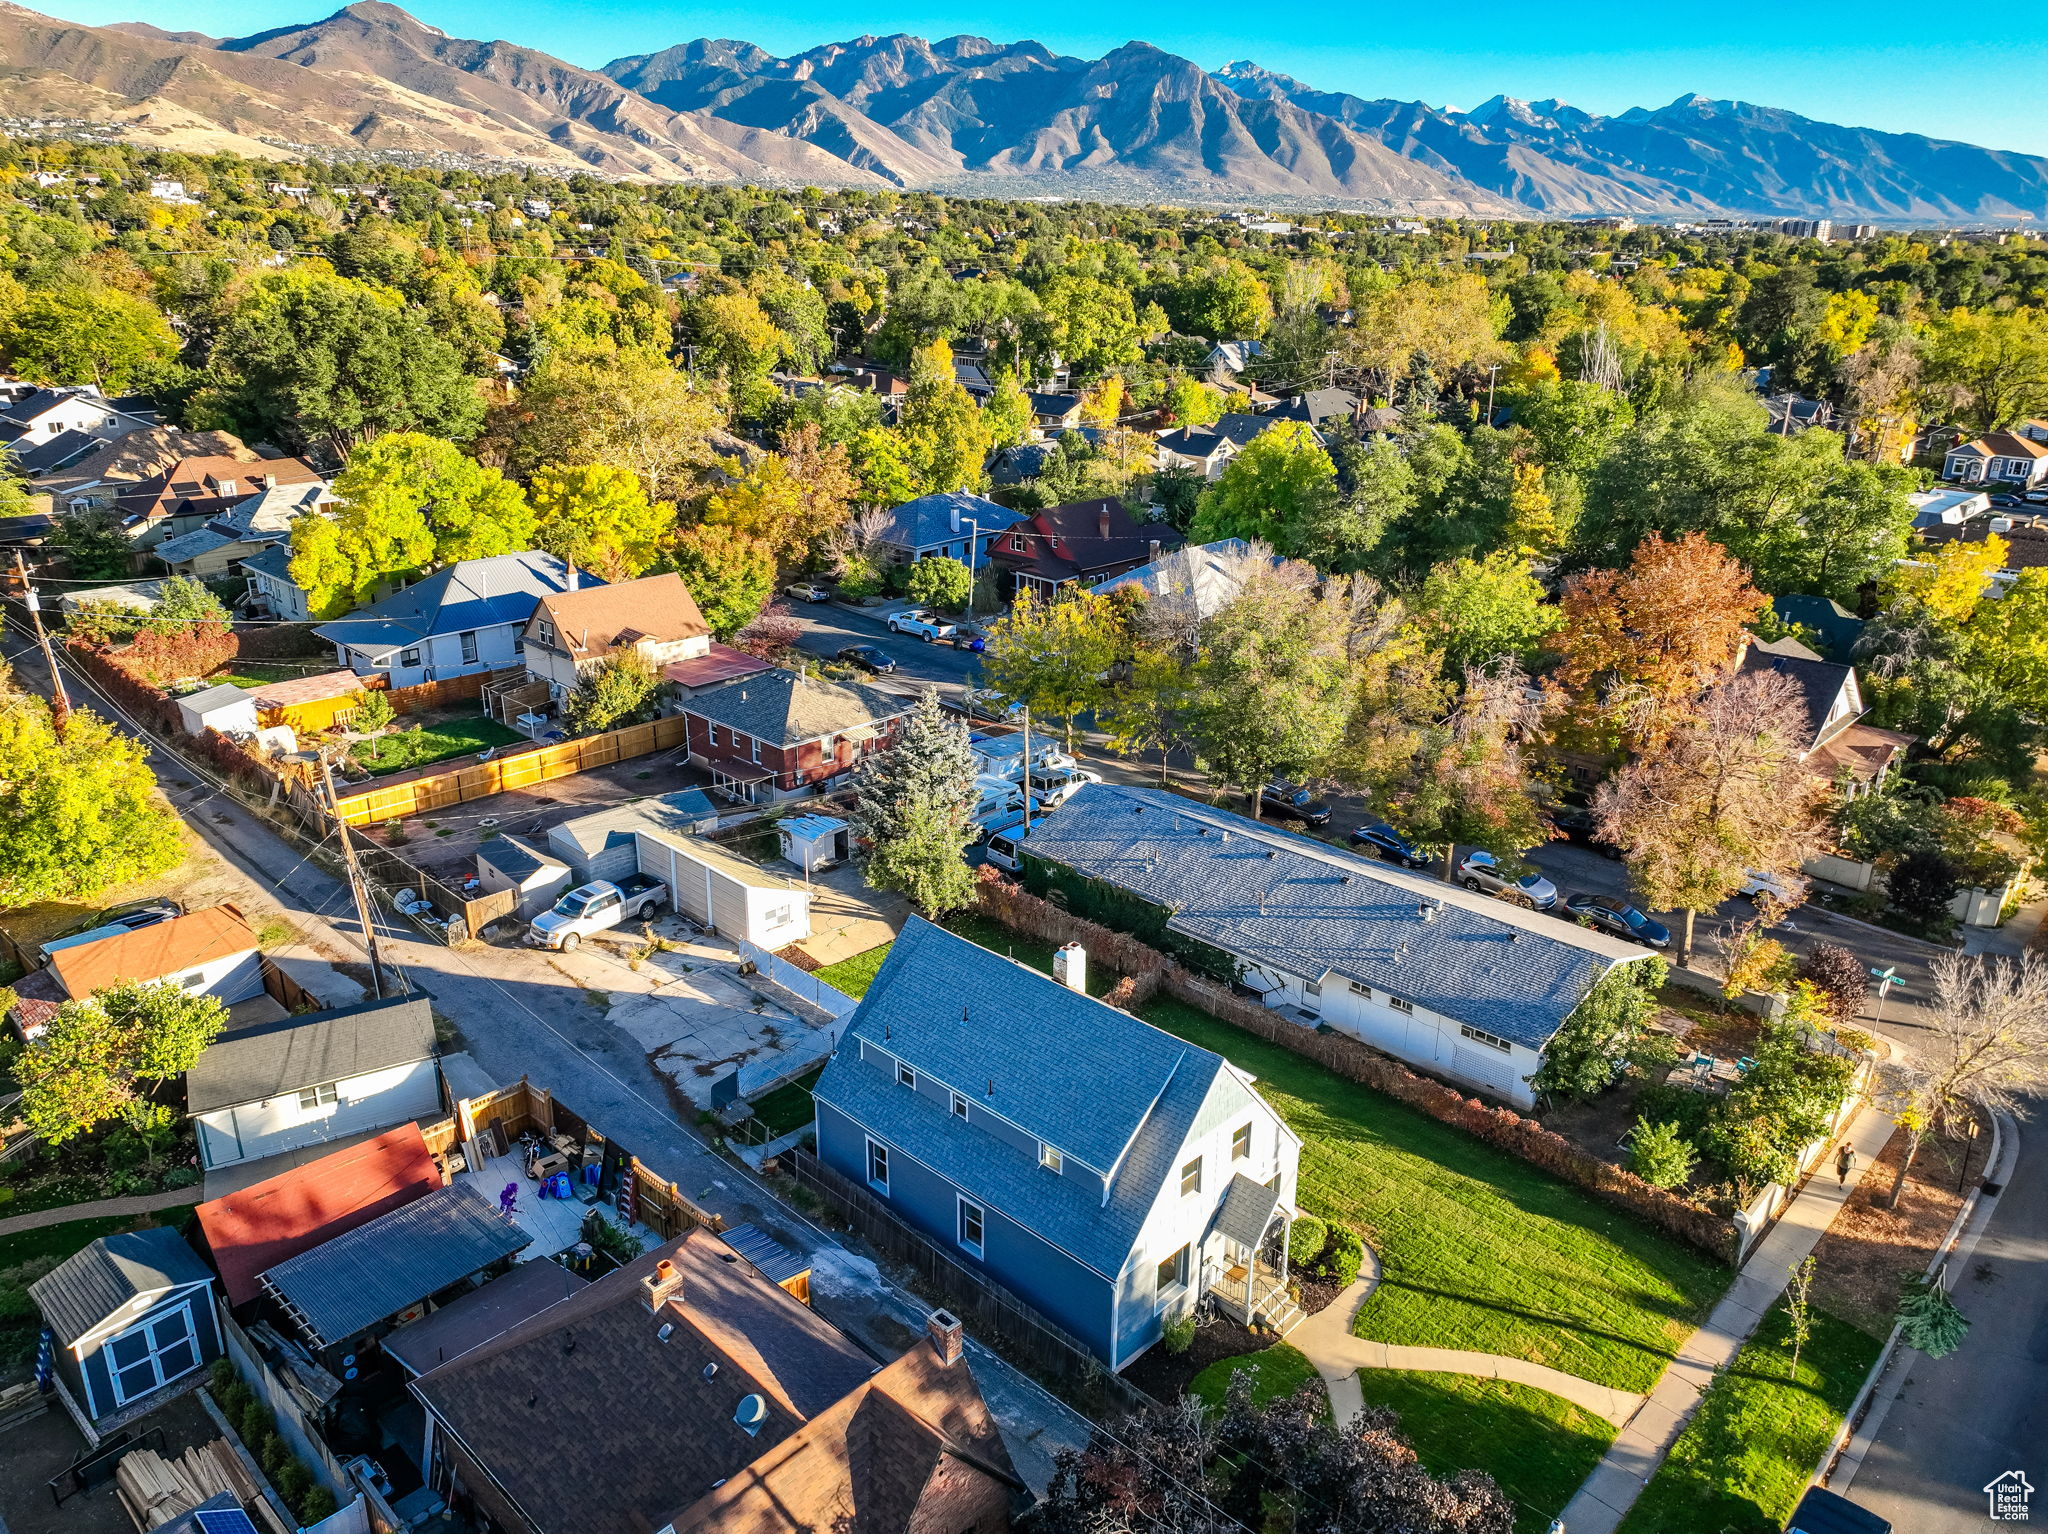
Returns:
(1104,1171)
(466,617)
(1452,981)
(943,524)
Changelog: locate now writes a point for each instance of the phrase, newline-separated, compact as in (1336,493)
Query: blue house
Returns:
(954,524)
(1102,1170)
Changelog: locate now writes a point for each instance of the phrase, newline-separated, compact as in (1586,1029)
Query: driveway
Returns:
(849,918)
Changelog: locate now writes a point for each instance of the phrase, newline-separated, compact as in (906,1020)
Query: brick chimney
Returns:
(943,1328)
(661,1286)
(1102,523)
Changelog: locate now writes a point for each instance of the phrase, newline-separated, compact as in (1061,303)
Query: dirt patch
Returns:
(1165,1376)
(1870,1250)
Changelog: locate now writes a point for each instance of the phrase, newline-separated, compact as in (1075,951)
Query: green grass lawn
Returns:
(1742,1463)
(789,1105)
(1537,1447)
(251,674)
(26,1257)
(1282,1370)
(432,743)
(853,976)
(1479,1249)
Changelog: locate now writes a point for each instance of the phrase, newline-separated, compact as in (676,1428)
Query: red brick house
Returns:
(780,735)
(1077,545)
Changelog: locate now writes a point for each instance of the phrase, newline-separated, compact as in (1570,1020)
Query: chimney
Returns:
(571,577)
(661,1286)
(1152,549)
(943,1327)
(1070,968)
(956,516)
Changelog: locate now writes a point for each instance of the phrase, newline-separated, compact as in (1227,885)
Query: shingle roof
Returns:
(1820,682)
(1316,406)
(60,452)
(471,1320)
(274,561)
(785,709)
(309,689)
(151,953)
(474,594)
(1246,1210)
(374,1271)
(1308,909)
(317,1047)
(1072,545)
(1053,404)
(93,1283)
(592,619)
(2004,444)
(591,834)
(928,520)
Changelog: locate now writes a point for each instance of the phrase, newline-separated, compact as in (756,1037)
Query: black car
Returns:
(1576,823)
(868,658)
(1287,802)
(1380,840)
(1610,913)
(2008,503)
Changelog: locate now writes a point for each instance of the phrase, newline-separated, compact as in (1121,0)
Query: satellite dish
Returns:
(751,1413)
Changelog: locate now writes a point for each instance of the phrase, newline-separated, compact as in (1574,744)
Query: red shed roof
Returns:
(261,1226)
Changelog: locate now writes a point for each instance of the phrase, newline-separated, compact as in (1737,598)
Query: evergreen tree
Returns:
(913,811)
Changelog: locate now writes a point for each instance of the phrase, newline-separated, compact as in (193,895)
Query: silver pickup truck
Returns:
(595,907)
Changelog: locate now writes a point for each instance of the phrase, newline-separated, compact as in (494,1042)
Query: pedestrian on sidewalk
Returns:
(1845,1163)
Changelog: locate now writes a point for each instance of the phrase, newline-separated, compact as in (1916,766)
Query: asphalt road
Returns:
(827,627)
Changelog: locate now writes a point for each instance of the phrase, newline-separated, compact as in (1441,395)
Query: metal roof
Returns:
(811,827)
(590,834)
(310,1050)
(210,699)
(398,1259)
(111,1274)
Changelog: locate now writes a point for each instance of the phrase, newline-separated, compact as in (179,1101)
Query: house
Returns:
(194,491)
(132,1320)
(1853,756)
(1103,1170)
(953,523)
(43,415)
(748,1411)
(574,632)
(210,952)
(1461,985)
(507,863)
(2002,459)
(1209,575)
(468,617)
(1209,448)
(272,592)
(1227,359)
(601,845)
(1053,413)
(257,1227)
(313,1079)
(226,708)
(780,735)
(1791,414)
(1077,545)
(1827,620)
(725,893)
(1313,407)
(250,525)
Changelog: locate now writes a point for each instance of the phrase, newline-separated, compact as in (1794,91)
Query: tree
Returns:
(1464,783)
(599,517)
(731,575)
(1929,1320)
(1531,530)
(1989,367)
(1839,976)
(943,432)
(1007,413)
(1722,792)
(740,344)
(1798,1308)
(1051,656)
(618,691)
(913,811)
(939,582)
(373,712)
(78,334)
(1922,883)
(95,544)
(1987,1051)
(79,814)
(1585,1054)
(424,484)
(632,410)
(97,1053)
(1144,713)
(793,500)
(1190,402)
(1478,611)
(1279,484)
(1660,1154)
(1574,423)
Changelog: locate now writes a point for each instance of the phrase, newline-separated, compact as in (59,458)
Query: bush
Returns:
(319,1504)
(294,1483)
(1306,1241)
(1178,1334)
(273,1455)
(1652,1055)
(1342,1258)
(221,1379)
(1660,1155)
(1840,978)
(1684,1108)
(1922,885)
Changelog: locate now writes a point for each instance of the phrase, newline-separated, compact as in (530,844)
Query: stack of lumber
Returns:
(20,1402)
(155,1490)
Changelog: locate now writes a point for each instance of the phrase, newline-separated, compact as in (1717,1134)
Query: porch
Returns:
(1248,1279)
(1254,1293)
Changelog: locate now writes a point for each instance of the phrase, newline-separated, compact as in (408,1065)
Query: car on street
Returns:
(921,621)
(1380,840)
(1610,913)
(1053,787)
(1575,823)
(987,703)
(968,636)
(867,657)
(1003,842)
(1482,872)
(2008,502)
(1284,801)
(1786,890)
(808,591)
(2036,497)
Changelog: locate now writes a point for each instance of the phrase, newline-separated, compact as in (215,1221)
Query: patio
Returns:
(556,1224)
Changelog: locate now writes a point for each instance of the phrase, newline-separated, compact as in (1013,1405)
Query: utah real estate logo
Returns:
(2009,1494)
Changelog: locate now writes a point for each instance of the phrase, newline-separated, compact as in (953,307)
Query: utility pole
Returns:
(973,537)
(364,912)
(1027,772)
(1489,392)
(60,705)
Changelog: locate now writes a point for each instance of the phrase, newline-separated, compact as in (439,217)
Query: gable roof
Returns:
(143,453)
(201,485)
(1308,909)
(473,1319)
(210,699)
(1211,573)
(1071,542)
(473,594)
(60,452)
(151,953)
(2003,444)
(370,1273)
(785,709)
(591,834)
(1315,406)
(272,1059)
(272,1221)
(110,1274)
(309,689)
(592,620)
(929,519)
(1820,683)
(1059,406)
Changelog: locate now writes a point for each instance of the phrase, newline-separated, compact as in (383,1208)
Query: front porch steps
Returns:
(1282,1314)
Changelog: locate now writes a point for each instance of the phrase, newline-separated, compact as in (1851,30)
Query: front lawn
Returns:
(855,975)
(1742,1463)
(1479,1250)
(1537,1447)
(1282,1370)
(429,743)
(789,1106)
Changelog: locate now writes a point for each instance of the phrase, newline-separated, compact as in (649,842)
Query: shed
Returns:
(226,708)
(211,952)
(510,864)
(132,1315)
(601,846)
(725,893)
(313,703)
(813,841)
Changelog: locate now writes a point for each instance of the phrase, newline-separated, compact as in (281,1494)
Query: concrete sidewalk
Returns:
(1611,1490)
(140,1203)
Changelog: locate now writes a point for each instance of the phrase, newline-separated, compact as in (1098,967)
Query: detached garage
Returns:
(724,893)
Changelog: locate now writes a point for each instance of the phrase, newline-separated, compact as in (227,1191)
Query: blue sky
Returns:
(1602,55)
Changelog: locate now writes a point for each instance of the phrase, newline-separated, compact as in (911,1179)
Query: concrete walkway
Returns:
(141,1203)
(1611,1490)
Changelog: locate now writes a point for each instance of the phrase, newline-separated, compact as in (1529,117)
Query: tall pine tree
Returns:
(912,811)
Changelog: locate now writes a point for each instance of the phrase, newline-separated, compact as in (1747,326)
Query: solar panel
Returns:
(225,1521)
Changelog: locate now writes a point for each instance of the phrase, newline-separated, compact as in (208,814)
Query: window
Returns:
(970,1226)
(468,639)
(1359,988)
(778,916)
(1191,1177)
(408,657)
(1311,989)
(1173,1272)
(1490,1040)
(544,631)
(905,1076)
(959,1106)
(1051,1159)
(151,1354)
(193,981)
(1241,1143)
(1399,1005)
(878,1166)
(755,747)
(319,1097)
(1017,543)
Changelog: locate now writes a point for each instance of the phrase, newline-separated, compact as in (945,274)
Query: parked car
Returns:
(994,797)
(1610,913)
(921,621)
(2008,503)
(868,658)
(808,591)
(1575,821)
(595,907)
(1286,802)
(1787,890)
(1053,787)
(1481,871)
(138,914)
(1380,840)
(2036,497)
(987,703)
(1005,839)
(968,636)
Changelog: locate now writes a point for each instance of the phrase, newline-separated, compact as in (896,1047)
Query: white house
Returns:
(466,618)
(225,708)
(312,1079)
(2001,459)
(272,591)
(46,414)
(725,893)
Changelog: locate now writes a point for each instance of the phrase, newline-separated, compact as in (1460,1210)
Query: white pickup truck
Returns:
(595,907)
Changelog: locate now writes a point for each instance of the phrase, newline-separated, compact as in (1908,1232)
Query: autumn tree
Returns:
(599,517)
(1145,712)
(943,432)
(1466,784)
(632,410)
(1051,656)
(79,333)
(1989,367)
(913,811)
(731,574)
(1987,1049)
(1007,413)
(1281,482)
(1478,610)
(1719,793)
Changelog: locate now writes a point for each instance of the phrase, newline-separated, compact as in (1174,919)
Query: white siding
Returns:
(714,898)
(377,1100)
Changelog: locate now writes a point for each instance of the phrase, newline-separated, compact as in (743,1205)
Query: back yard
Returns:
(419,740)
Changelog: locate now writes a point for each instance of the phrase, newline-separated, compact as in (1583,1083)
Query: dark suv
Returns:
(1575,822)
(1610,913)
(1380,840)
(1283,801)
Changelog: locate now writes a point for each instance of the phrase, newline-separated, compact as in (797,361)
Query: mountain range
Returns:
(972,116)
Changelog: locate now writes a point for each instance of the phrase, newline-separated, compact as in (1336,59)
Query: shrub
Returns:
(221,1379)
(860,579)
(319,1504)
(1342,1259)
(273,1455)
(1759,963)
(294,1483)
(1178,1334)
(1922,885)
(1660,1155)
(1684,1108)
(1652,1055)
(1929,1320)
(1306,1241)
(1840,978)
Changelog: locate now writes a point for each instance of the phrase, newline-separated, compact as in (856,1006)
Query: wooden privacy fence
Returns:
(506,774)
(454,689)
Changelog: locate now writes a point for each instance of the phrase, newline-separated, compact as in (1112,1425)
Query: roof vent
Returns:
(710,1372)
(1272,853)
(668,1330)
(751,1414)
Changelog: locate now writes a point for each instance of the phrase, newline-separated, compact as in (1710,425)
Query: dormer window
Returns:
(1051,1159)
(1017,542)
(906,1077)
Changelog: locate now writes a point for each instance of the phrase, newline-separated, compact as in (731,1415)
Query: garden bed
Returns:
(1166,1376)
(421,743)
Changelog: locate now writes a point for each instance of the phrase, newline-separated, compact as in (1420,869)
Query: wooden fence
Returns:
(505,774)
(454,689)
